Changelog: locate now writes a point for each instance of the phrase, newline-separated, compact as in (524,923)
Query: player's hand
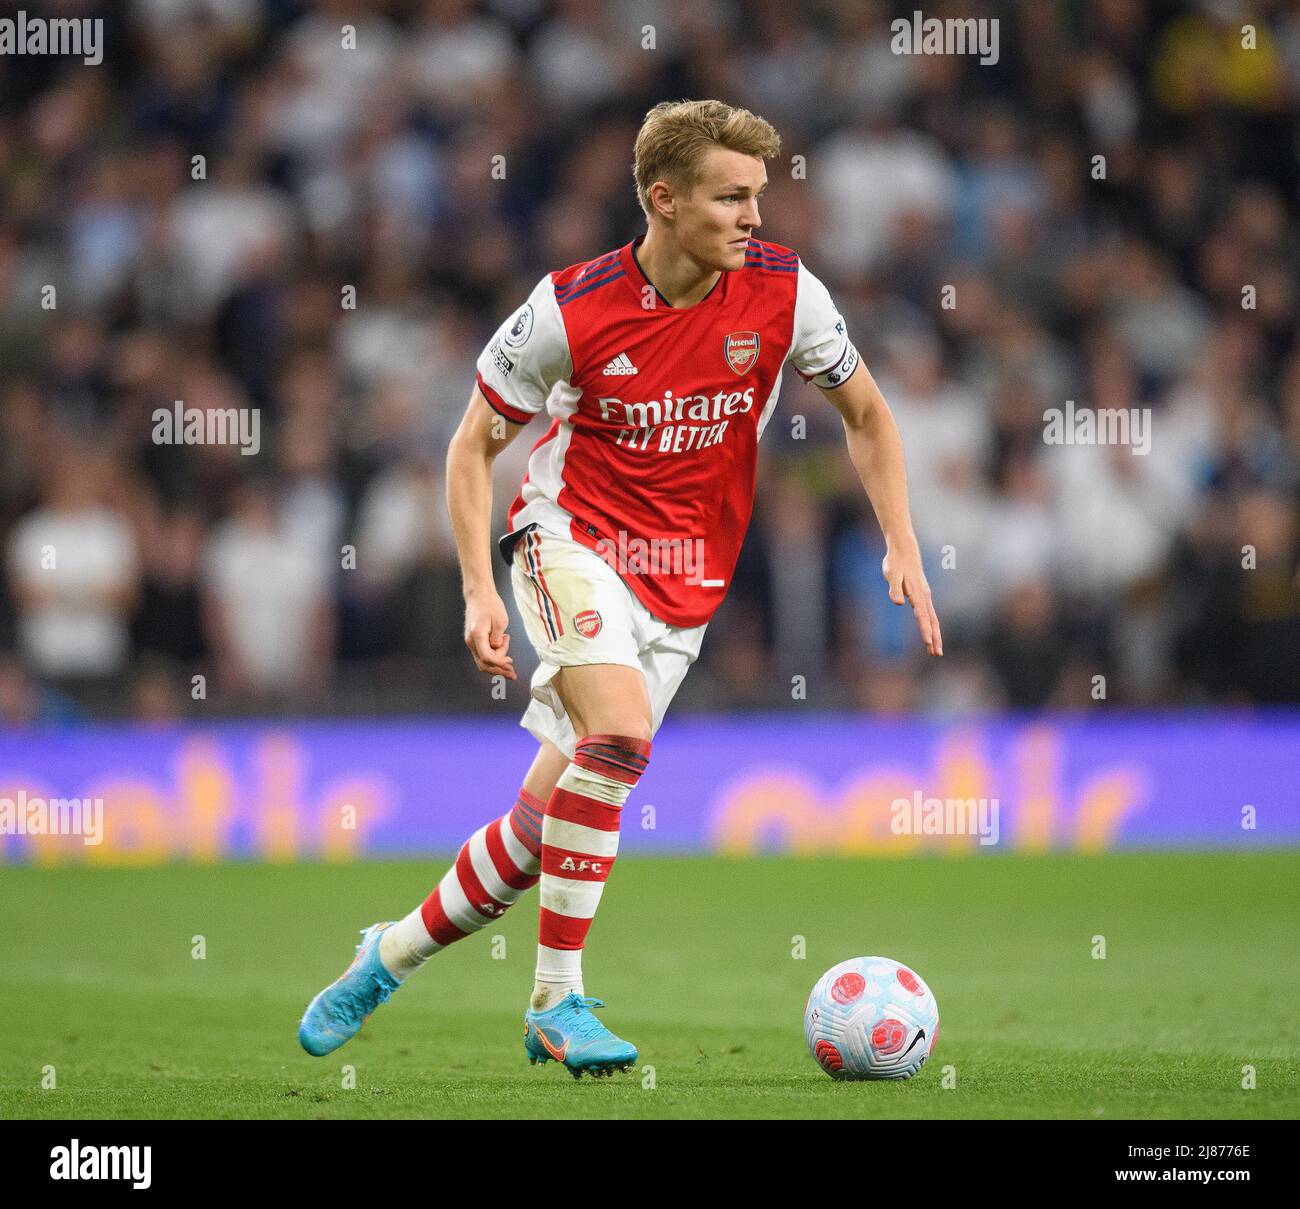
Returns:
(907,583)
(486,637)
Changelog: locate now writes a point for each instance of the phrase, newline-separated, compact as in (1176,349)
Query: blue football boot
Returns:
(338,1012)
(569,1033)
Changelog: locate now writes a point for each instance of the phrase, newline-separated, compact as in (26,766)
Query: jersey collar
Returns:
(637,280)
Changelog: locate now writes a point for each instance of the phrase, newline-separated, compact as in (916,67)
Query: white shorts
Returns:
(577,610)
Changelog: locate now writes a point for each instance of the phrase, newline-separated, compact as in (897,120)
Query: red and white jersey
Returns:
(656,411)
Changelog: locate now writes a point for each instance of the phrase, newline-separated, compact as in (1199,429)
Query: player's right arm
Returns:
(528,354)
(483,433)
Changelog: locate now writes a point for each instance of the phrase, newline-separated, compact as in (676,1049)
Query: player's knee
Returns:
(631,727)
(548,765)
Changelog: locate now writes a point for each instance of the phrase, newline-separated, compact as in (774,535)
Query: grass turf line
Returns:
(694,958)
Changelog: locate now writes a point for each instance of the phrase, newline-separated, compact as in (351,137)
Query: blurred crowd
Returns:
(248,206)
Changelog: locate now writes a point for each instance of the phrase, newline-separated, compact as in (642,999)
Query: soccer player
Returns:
(658,366)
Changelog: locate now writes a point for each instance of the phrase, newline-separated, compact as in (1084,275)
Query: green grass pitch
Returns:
(695,958)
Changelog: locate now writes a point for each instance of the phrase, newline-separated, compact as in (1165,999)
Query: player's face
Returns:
(715,220)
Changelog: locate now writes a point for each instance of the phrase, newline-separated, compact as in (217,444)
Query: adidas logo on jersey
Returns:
(620,367)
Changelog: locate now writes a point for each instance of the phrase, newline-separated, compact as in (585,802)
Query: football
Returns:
(871,1018)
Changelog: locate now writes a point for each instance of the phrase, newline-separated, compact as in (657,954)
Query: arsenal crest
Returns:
(588,623)
(741,350)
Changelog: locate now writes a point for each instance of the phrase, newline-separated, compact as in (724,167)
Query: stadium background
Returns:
(341,717)
(1093,208)
(373,168)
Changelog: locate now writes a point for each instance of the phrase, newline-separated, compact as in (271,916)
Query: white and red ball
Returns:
(871,1018)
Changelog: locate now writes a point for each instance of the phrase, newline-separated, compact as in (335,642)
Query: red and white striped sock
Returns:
(579,846)
(494,867)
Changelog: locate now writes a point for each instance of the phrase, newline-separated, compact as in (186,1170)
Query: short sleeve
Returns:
(821,351)
(526,357)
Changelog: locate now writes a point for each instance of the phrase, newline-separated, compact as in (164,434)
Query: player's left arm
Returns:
(876,451)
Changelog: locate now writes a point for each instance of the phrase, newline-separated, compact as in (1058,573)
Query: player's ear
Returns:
(662,199)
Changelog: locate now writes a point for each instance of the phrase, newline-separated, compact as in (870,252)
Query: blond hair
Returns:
(675,135)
